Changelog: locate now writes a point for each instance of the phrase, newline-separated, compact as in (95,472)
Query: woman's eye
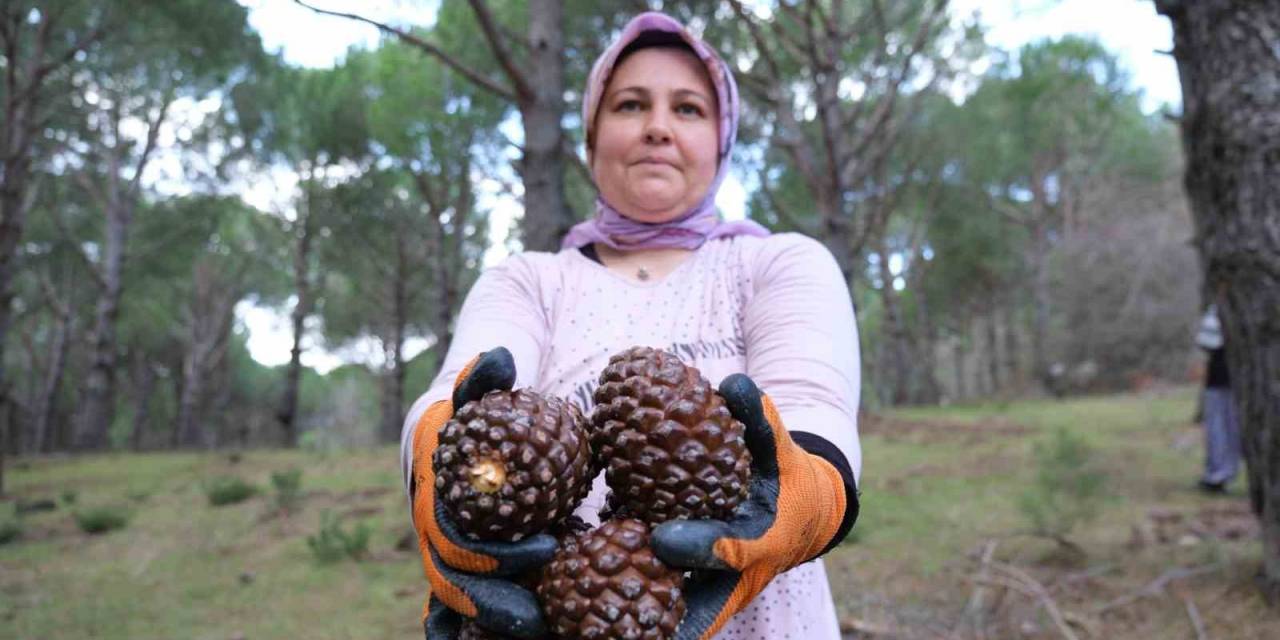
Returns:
(629,105)
(689,109)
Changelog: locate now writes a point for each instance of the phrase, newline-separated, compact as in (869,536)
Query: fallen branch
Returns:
(1038,590)
(1089,625)
(1196,622)
(1040,595)
(1077,576)
(973,610)
(1156,587)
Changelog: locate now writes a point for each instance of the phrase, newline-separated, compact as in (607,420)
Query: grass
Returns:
(938,485)
(184,569)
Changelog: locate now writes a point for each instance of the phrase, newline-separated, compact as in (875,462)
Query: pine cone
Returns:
(670,447)
(512,464)
(607,583)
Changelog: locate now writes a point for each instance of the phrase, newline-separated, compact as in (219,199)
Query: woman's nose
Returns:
(656,129)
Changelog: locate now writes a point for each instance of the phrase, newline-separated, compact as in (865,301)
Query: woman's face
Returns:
(656,135)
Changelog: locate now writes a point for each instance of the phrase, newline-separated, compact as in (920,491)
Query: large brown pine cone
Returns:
(670,447)
(563,531)
(607,583)
(512,464)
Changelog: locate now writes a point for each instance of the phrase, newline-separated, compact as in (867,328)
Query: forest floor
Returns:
(939,551)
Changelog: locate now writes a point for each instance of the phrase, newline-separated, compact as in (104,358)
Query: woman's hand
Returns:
(466,576)
(796,509)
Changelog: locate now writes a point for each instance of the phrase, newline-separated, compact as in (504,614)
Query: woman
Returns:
(656,267)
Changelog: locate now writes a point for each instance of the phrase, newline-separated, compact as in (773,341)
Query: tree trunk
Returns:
(214,297)
(897,348)
(189,430)
(142,409)
(993,351)
(393,394)
(217,415)
(1012,368)
(288,413)
(547,217)
(29,62)
(97,407)
(1230,71)
(15,203)
(1040,299)
(212,312)
(40,440)
(393,381)
(176,367)
(118,195)
(957,353)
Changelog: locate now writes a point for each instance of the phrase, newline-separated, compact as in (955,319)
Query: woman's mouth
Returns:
(655,162)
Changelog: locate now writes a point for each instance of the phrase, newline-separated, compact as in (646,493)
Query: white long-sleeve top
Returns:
(776,308)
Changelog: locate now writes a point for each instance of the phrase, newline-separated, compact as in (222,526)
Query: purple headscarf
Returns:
(697,225)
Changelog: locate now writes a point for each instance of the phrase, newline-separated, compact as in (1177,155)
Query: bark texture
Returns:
(118,196)
(547,216)
(97,406)
(1228,55)
(213,303)
(287,414)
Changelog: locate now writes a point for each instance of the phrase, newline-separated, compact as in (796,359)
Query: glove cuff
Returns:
(823,448)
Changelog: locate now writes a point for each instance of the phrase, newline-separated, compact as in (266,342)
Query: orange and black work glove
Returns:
(468,577)
(800,505)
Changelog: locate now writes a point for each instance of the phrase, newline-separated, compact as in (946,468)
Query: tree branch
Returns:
(153,132)
(1032,587)
(784,215)
(60,308)
(497,44)
(786,40)
(884,109)
(38,72)
(757,36)
(1197,622)
(427,191)
(7,37)
(576,160)
(95,272)
(1157,586)
(68,55)
(474,76)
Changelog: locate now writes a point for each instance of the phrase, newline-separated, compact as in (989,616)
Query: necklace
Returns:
(643,274)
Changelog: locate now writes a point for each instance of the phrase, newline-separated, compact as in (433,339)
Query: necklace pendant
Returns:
(643,274)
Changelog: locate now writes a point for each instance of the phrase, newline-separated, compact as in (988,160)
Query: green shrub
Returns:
(102,518)
(1068,490)
(10,529)
(69,497)
(333,542)
(224,490)
(34,505)
(288,486)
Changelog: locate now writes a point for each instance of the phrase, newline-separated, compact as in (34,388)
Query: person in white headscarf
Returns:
(767,317)
(1221,425)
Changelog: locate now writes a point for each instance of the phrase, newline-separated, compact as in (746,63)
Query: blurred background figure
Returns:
(1221,429)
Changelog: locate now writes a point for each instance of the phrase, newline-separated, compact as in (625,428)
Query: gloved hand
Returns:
(794,511)
(467,576)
